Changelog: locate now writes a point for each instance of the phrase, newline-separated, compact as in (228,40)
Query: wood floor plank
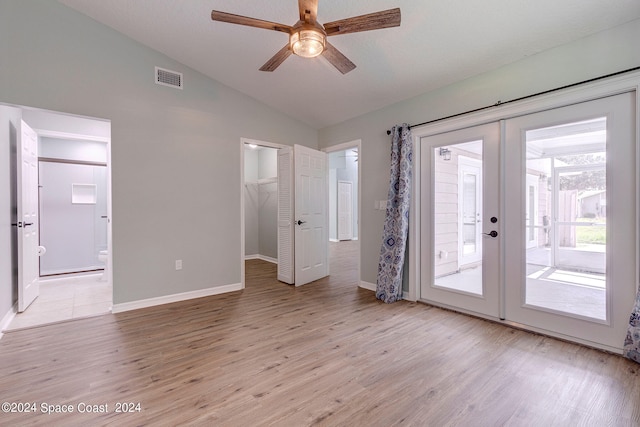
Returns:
(327,353)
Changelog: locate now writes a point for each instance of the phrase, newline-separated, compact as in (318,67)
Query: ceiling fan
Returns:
(308,38)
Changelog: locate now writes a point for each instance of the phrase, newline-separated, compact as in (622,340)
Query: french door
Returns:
(462,270)
(570,261)
(558,217)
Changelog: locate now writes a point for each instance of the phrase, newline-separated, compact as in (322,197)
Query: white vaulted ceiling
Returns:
(438,43)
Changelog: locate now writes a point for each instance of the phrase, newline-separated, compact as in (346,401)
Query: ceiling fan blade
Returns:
(371,21)
(310,6)
(337,59)
(277,59)
(250,22)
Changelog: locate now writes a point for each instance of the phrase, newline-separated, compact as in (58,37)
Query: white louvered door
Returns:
(285,216)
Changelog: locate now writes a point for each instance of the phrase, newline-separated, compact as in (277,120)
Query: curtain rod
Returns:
(499,103)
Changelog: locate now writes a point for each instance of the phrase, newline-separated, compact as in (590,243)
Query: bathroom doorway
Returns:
(74,218)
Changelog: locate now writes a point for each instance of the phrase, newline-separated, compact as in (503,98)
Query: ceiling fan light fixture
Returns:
(307,43)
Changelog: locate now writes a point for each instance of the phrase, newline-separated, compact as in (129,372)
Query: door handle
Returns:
(492,233)
(20,224)
(301,222)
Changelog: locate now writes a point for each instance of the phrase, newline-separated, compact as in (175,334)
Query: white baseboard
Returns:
(372,287)
(6,320)
(261,257)
(268,259)
(167,299)
(368,285)
(334,240)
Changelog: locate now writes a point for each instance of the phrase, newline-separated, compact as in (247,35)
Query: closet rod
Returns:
(524,97)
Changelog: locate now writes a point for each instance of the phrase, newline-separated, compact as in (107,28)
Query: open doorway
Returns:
(259,208)
(261,203)
(73,218)
(297,186)
(344,206)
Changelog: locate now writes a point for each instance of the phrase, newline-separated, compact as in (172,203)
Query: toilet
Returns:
(103,256)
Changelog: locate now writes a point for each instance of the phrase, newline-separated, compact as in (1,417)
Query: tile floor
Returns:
(65,298)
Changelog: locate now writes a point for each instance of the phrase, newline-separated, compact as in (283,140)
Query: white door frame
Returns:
(341,147)
(624,83)
(46,131)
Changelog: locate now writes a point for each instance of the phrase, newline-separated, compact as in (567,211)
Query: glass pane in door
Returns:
(565,224)
(457,220)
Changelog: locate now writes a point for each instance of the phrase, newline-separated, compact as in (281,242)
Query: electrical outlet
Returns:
(178,264)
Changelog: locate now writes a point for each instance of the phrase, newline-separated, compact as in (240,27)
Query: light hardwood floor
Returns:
(327,353)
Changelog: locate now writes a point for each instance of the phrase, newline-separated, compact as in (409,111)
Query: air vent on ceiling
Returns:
(168,78)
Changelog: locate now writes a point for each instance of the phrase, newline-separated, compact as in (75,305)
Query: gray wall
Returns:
(9,122)
(603,53)
(174,154)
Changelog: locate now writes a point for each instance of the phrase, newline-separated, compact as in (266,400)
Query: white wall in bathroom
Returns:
(72,233)
(56,148)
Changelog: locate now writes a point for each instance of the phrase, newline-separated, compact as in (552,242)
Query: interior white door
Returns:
(311,215)
(345,210)
(558,285)
(474,287)
(27,183)
(285,216)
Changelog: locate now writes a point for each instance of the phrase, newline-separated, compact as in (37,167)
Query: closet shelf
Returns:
(268,180)
(262,181)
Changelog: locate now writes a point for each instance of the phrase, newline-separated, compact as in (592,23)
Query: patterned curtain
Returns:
(396,225)
(632,342)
